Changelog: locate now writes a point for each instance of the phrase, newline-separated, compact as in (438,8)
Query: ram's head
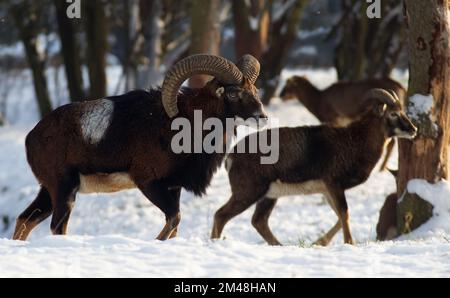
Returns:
(235,83)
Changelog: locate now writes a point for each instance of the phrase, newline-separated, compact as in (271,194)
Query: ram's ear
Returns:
(379,109)
(220,91)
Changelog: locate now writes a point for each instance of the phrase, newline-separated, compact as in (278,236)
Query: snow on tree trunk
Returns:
(429,94)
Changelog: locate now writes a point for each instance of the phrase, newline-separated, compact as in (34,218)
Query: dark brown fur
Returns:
(338,157)
(137,142)
(341,103)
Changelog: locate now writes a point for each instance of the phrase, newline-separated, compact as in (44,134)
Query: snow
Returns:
(420,105)
(111,235)
(49,44)
(438,195)
(254,23)
(306,50)
(15,50)
(227,34)
(120,256)
(21,107)
(304,34)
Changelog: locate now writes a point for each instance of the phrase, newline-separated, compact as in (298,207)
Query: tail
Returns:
(31,147)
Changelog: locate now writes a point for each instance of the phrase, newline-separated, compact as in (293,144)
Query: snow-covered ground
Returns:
(112,235)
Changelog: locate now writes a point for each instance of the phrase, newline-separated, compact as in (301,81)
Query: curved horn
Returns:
(382,96)
(394,95)
(222,69)
(250,67)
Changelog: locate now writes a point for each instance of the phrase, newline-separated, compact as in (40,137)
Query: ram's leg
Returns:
(63,199)
(168,203)
(233,207)
(176,193)
(326,239)
(260,219)
(340,203)
(36,212)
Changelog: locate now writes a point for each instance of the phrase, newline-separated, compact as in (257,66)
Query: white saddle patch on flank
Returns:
(279,189)
(96,118)
(106,183)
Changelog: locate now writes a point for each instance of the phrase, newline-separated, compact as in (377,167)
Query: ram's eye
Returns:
(233,95)
(393,115)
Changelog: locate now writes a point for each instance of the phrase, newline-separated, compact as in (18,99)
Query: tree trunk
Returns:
(205,33)
(133,43)
(282,35)
(150,14)
(427,156)
(252,27)
(70,51)
(25,17)
(350,52)
(367,48)
(388,40)
(97,43)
